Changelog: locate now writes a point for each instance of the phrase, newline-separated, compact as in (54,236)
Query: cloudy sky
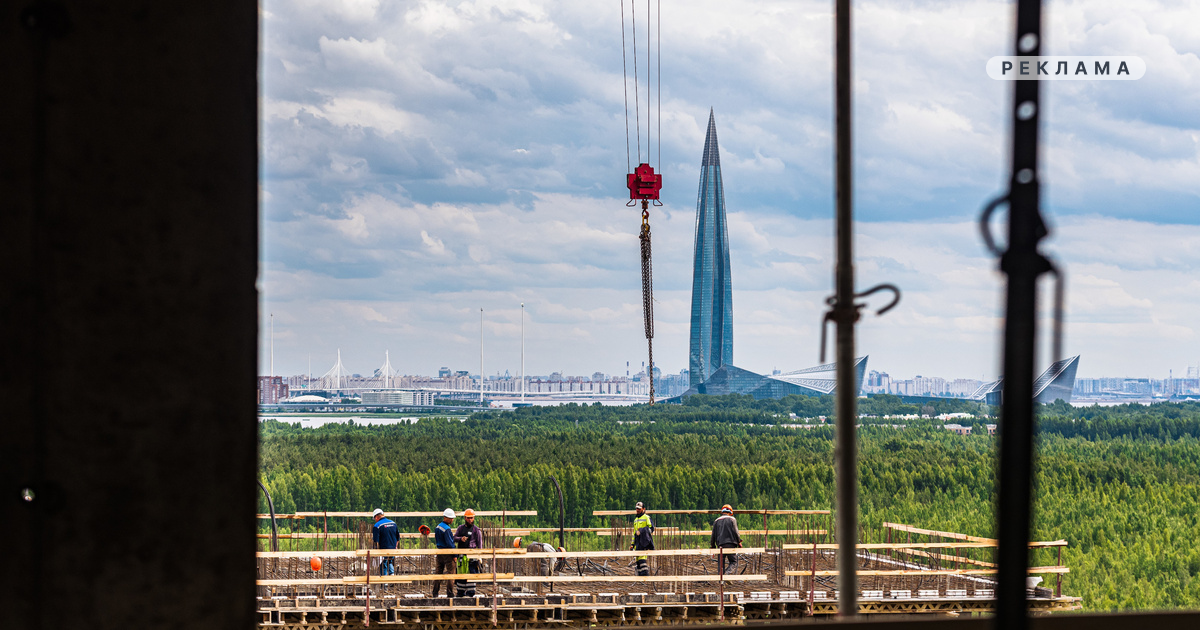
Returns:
(424,160)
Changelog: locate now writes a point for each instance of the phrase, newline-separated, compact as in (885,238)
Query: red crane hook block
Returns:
(644,183)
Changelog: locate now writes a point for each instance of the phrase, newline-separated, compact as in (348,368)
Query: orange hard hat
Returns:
(469,513)
(315,563)
(424,530)
(517,542)
(727,508)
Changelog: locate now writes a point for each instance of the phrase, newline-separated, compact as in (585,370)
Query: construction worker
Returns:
(385,535)
(446,563)
(643,537)
(725,536)
(468,536)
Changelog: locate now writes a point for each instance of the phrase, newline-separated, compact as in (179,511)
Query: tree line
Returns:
(1121,484)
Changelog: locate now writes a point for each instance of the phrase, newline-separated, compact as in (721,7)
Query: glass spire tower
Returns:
(712,290)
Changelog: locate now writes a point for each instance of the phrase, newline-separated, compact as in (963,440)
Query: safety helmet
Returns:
(377,512)
(639,506)
(562,550)
(449,513)
(517,542)
(726,509)
(423,530)
(469,513)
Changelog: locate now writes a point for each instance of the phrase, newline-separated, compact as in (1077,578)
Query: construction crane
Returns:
(643,183)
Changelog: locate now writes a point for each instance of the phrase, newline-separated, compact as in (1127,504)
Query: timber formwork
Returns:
(938,573)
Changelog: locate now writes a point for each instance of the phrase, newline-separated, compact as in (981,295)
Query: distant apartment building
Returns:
(398,397)
(1112,387)
(271,390)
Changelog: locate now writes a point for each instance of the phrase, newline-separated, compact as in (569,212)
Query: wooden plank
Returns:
(413,514)
(931,571)
(933,532)
(650,552)
(565,554)
(305,554)
(526,530)
(945,557)
(506,551)
(278,516)
(300,582)
(938,545)
(638,578)
(339,535)
(607,531)
(716,511)
(405,579)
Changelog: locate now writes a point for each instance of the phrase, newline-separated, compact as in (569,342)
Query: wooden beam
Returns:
(305,554)
(527,530)
(938,545)
(933,532)
(413,514)
(506,551)
(638,578)
(649,552)
(300,582)
(430,577)
(717,511)
(932,571)
(607,531)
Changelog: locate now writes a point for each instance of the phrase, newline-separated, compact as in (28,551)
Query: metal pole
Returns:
(522,352)
(480,355)
(1023,264)
(845,315)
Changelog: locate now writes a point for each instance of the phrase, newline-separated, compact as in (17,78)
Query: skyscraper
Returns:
(712,290)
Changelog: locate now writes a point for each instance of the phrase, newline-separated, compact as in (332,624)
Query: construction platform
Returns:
(938,573)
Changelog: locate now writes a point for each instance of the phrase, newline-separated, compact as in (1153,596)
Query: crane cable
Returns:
(648,293)
(644,236)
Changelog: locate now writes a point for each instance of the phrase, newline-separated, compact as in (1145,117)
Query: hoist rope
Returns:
(637,122)
(648,294)
(625,87)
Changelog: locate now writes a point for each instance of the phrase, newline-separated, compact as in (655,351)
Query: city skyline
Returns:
(420,162)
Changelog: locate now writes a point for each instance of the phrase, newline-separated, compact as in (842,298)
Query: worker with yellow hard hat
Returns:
(468,536)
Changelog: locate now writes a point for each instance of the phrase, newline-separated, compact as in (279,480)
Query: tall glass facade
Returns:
(712,290)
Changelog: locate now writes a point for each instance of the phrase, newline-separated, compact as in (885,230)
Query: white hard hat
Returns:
(377,512)
(449,513)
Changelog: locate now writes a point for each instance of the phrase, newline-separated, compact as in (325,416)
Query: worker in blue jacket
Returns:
(446,563)
(385,534)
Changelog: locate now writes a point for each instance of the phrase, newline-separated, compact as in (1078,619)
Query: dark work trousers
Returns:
(465,588)
(643,566)
(730,559)
(387,566)
(445,565)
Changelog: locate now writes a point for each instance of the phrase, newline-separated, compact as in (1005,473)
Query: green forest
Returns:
(1121,484)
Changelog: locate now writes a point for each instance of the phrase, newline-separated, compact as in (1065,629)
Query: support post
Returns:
(1022,263)
(721,582)
(845,315)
